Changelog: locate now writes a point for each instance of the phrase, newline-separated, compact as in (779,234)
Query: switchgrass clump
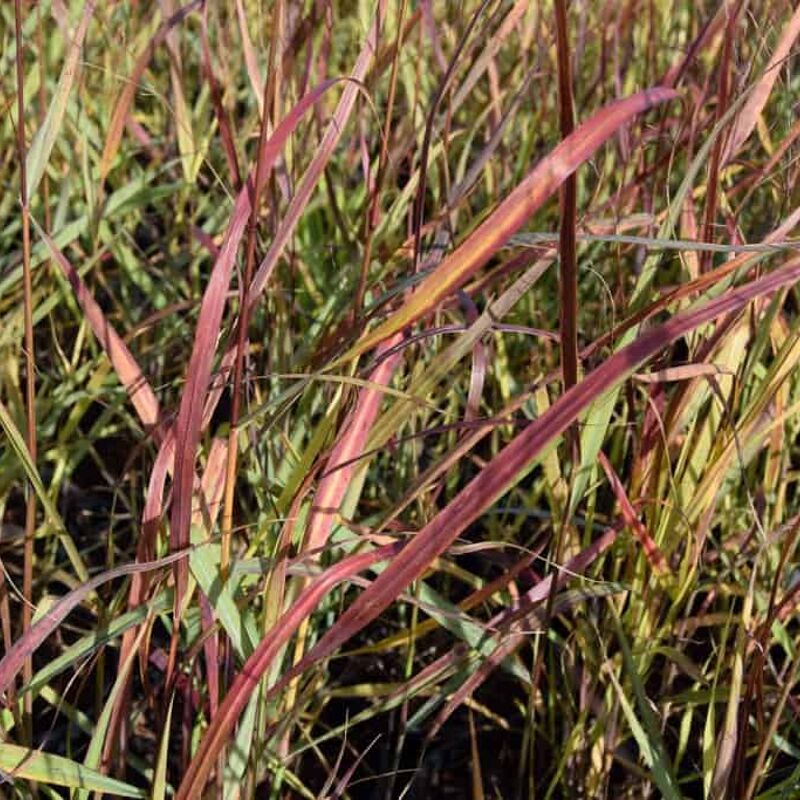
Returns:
(399,399)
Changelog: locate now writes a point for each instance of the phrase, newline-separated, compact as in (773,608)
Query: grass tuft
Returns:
(339,459)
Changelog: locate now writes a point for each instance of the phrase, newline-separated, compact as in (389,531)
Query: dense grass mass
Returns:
(399,399)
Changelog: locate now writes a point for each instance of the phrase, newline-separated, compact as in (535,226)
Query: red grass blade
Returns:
(512,213)
(651,549)
(128,371)
(344,457)
(198,374)
(569,215)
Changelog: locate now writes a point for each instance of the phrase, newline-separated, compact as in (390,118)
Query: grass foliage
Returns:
(399,399)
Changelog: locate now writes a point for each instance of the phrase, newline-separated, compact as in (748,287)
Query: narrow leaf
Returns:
(42,145)
(198,374)
(408,564)
(34,765)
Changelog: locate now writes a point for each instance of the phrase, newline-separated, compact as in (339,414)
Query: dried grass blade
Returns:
(747,118)
(46,136)
(125,101)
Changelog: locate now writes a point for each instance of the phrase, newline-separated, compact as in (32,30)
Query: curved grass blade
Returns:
(128,371)
(508,218)
(198,373)
(12,661)
(248,678)
(34,765)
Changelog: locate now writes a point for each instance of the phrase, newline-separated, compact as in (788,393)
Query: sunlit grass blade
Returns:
(20,763)
(511,214)
(45,139)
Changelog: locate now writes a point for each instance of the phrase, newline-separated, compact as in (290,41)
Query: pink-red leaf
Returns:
(512,213)
(198,374)
(651,549)
(344,457)
(128,371)
(26,645)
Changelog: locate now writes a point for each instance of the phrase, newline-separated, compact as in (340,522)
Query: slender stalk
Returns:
(568,263)
(30,363)
(712,190)
(41,58)
(568,318)
(568,257)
